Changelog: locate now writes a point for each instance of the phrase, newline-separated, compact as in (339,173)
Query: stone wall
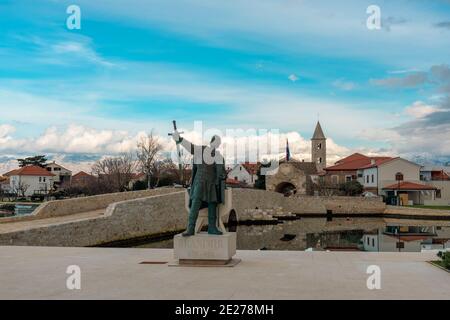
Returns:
(251,199)
(123,220)
(84,204)
(164,213)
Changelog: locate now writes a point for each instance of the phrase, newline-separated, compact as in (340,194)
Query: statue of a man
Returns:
(207,182)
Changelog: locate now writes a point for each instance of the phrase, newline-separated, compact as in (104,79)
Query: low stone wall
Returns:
(123,220)
(416,212)
(84,204)
(251,199)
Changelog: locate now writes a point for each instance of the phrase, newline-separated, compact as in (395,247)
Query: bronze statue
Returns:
(207,182)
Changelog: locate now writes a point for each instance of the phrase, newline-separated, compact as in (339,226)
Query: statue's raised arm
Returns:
(190,147)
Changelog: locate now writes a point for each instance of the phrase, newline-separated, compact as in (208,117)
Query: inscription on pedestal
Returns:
(205,247)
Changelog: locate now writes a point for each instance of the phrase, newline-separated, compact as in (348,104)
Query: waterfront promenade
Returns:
(110,273)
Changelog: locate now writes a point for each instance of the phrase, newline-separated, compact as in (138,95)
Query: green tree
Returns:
(39,161)
(351,188)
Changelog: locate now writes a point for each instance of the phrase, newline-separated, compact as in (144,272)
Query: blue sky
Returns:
(136,65)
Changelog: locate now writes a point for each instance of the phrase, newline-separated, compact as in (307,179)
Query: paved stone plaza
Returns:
(106,273)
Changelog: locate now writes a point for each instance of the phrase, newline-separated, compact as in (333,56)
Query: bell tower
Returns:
(319,148)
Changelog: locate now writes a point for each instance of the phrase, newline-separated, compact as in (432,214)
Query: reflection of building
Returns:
(406,239)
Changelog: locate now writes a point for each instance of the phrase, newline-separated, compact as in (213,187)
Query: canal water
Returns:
(9,210)
(343,234)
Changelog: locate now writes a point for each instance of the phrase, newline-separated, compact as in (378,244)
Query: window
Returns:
(43,179)
(360,175)
(348,178)
(367,178)
(319,160)
(438,194)
(373,178)
(40,179)
(319,146)
(368,240)
(236,178)
(373,242)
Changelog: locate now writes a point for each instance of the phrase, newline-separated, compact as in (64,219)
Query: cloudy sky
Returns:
(266,64)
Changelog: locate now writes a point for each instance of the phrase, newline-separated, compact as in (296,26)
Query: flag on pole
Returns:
(288,153)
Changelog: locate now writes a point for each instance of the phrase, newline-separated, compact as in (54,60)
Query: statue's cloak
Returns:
(208,182)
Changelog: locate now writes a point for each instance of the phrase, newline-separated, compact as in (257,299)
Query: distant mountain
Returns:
(425,159)
(73,162)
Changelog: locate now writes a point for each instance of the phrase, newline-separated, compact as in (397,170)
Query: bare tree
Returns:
(20,189)
(324,187)
(148,150)
(115,173)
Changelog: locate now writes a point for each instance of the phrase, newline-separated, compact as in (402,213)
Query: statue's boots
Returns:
(212,225)
(190,231)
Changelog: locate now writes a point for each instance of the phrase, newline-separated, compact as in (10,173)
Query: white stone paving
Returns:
(110,273)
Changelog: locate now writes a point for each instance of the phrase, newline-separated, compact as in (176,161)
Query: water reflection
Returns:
(10,210)
(365,234)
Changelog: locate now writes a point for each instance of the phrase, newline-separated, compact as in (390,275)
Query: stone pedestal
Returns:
(204,249)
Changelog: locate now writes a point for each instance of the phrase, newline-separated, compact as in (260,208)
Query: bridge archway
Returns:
(232,221)
(286,188)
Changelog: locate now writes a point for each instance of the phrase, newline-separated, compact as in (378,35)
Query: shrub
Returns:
(445,256)
(351,188)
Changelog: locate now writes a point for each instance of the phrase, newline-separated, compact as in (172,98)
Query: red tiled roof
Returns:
(352,157)
(251,168)
(32,171)
(10,173)
(136,176)
(377,162)
(354,162)
(405,185)
(232,181)
(81,174)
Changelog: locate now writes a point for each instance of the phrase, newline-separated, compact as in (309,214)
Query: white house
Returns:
(62,175)
(402,239)
(31,180)
(244,172)
(4,184)
(393,178)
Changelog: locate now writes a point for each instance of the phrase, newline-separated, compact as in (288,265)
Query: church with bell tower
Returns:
(319,148)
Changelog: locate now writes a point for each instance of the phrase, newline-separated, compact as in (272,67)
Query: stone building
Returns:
(297,177)
(319,148)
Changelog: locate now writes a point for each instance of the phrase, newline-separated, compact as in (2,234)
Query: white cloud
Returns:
(419,109)
(293,77)
(344,85)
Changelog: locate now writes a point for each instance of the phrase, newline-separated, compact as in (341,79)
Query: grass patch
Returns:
(440,264)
